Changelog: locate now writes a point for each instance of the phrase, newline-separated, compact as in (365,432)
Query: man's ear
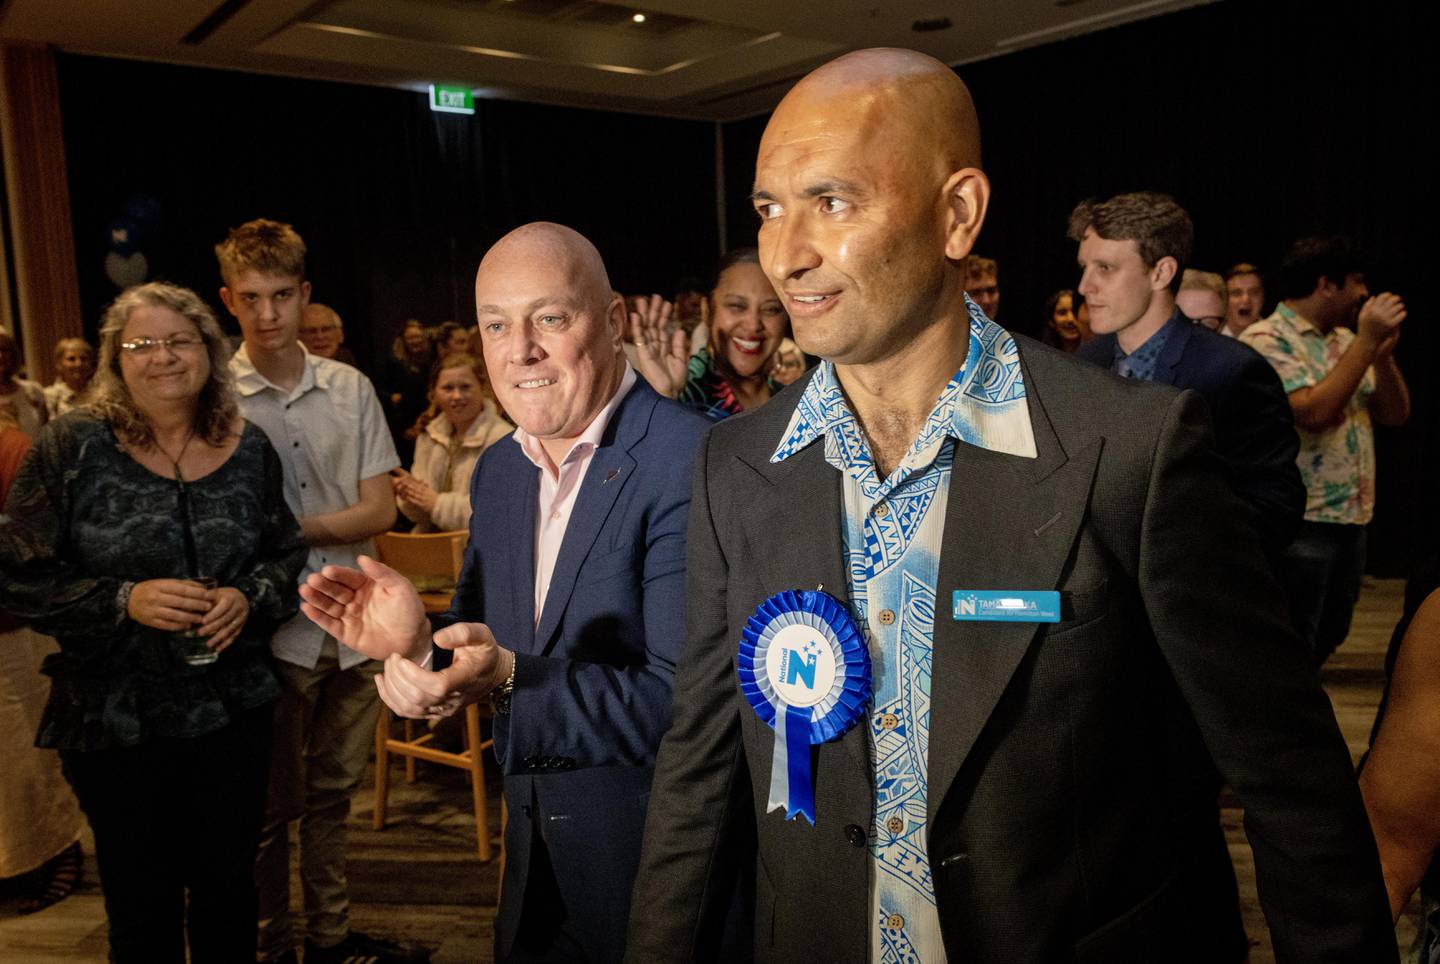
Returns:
(1163,273)
(967,197)
(227,299)
(304,294)
(616,317)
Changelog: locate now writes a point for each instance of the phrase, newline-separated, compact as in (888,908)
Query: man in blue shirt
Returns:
(1006,791)
(1133,251)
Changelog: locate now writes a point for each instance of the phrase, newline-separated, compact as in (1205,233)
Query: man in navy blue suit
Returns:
(1133,249)
(568,616)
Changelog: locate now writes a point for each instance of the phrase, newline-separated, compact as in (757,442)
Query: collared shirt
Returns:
(1337,464)
(330,432)
(1140,363)
(560,487)
(59,398)
(893,532)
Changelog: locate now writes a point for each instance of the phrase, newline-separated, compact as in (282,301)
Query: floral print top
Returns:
(84,522)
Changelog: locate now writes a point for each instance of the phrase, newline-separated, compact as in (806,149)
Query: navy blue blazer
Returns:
(1254,426)
(593,678)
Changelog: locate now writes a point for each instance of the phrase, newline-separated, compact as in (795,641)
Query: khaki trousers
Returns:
(324,728)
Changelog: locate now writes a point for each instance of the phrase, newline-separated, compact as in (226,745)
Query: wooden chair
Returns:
(430,560)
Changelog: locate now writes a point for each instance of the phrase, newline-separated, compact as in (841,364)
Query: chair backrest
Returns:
(425,556)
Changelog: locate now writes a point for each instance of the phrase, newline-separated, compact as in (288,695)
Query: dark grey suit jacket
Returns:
(1049,770)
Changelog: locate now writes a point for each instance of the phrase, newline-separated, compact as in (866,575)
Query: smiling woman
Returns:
(747,324)
(435,493)
(148,532)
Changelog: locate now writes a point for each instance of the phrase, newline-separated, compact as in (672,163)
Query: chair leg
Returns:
(477,779)
(382,767)
(409,760)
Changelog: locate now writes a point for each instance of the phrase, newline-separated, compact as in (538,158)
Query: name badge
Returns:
(1007,606)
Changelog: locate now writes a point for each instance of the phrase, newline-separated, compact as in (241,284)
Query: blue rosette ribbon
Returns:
(805,669)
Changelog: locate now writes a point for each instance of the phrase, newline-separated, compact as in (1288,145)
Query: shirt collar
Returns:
(1296,320)
(589,439)
(983,404)
(249,381)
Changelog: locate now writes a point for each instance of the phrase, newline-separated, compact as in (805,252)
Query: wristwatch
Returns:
(500,695)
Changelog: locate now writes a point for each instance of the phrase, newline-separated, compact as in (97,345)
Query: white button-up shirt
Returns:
(330,433)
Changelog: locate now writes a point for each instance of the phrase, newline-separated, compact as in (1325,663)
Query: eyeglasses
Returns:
(317,329)
(174,344)
(1213,322)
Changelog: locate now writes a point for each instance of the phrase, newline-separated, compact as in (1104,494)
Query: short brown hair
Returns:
(269,247)
(1244,267)
(1157,225)
(978,267)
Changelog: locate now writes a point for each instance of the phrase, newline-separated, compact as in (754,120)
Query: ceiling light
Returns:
(638,18)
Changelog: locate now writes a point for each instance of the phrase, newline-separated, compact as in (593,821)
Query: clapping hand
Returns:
(1379,321)
(373,610)
(479,666)
(415,491)
(662,354)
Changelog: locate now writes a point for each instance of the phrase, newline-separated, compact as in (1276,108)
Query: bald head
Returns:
(909,96)
(565,249)
(550,328)
(870,197)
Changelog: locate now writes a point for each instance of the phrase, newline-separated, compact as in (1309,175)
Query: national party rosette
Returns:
(805,669)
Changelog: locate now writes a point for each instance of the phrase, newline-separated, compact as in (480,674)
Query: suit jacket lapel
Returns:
(611,468)
(1010,524)
(1171,354)
(522,542)
(802,495)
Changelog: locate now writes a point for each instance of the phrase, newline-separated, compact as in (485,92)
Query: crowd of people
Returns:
(191,522)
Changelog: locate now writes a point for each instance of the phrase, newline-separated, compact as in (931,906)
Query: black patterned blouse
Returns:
(83,523)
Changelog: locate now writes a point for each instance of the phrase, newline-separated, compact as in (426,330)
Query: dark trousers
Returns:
(178,817)
(1321,572)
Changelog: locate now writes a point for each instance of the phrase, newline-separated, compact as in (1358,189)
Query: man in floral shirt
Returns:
(1338,380)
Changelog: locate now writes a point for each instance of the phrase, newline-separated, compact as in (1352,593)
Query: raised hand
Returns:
(479,666)
(1380,319)
(662,354)
(374,610)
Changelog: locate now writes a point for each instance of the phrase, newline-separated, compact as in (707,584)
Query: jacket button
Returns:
(855,834)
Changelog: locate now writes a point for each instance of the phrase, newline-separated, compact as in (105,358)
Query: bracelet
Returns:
(500,695)
(122,600)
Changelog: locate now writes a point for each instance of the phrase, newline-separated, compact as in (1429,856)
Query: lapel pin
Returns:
(610,475)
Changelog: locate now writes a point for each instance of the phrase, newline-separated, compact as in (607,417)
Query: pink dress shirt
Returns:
(560,487)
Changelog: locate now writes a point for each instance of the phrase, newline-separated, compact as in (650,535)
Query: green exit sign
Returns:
(451,100)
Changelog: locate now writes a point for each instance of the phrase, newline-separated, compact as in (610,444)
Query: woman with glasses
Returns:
(148,532)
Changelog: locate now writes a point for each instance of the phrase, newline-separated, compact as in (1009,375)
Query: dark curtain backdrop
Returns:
(396,203)
(1267,121)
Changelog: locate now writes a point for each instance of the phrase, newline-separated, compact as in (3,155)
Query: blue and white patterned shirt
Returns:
(1140,363)
(893,529)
